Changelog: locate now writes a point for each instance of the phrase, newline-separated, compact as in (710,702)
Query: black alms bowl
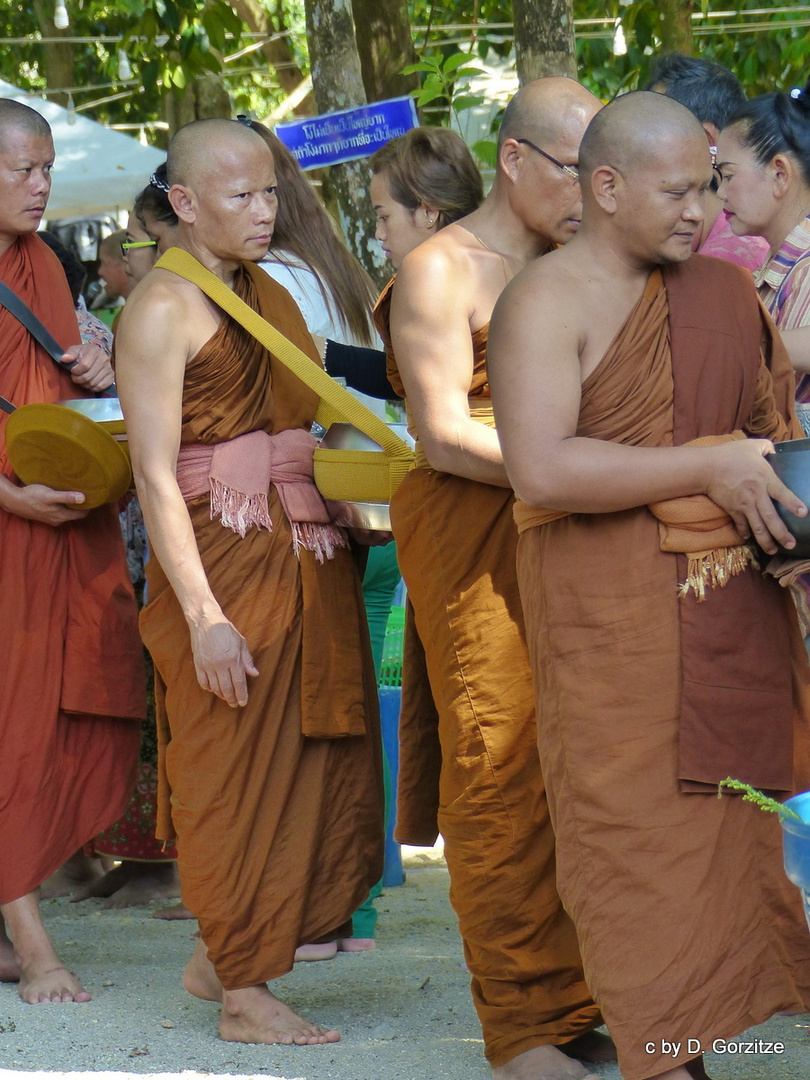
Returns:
(791,463)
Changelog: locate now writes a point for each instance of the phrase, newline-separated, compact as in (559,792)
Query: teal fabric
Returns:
(380,582)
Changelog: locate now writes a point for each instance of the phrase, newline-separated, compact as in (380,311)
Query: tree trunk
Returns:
(279,53)
(544,39)
(204,97)
(385,47)
(59,64)
(675,29)
(338,84)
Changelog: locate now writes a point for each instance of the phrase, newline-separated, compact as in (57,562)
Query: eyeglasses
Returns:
(127,245)
(569,169)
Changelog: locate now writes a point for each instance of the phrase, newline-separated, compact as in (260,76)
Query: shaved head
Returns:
(543,109)
(197,150)
(633,129)
(13,114)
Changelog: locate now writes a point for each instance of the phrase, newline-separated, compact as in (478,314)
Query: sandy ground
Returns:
(404,1010)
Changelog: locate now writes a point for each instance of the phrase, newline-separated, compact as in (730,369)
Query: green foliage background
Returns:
(169,42)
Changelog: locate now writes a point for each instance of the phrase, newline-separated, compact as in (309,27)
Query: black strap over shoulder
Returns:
(21,311)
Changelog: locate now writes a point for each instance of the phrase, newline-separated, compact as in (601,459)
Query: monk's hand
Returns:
(371,537)
(92,369)
(222,660)
(744,485)
(36,502)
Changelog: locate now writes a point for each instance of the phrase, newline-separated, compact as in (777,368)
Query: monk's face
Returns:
(546,197)
(234,200)
(661,200)
(26,161)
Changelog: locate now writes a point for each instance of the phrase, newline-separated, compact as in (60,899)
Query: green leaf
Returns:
(764,802)
(466,101)
(423,65)
(468,72)
(426,96)
(452,63)
(178,77)
(487,151)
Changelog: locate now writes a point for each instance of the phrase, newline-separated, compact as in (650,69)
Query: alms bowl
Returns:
(791,463)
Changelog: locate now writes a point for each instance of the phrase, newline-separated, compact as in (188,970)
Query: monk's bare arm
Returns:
(537,336)
(430,333)
(152,349)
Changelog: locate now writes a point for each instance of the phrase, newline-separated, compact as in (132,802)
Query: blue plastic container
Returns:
(390,698)
(796,847)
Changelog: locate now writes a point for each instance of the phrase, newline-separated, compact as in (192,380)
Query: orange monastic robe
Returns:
(688,927)
(71,664)
(279,835)
(456,543)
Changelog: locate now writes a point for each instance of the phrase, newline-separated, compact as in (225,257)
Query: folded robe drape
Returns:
(71,663)
(687,924)
(279,836)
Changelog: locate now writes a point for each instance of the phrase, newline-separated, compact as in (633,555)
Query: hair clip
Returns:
(243,119)
(796,92)
(161,185)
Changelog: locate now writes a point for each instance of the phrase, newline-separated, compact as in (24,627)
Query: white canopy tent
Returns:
(97,170)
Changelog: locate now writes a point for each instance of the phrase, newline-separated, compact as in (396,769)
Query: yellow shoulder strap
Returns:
(337,405)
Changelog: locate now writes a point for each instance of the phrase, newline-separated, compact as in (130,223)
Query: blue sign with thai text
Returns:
(349,134)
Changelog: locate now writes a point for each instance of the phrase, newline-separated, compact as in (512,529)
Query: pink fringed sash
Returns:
(238,474)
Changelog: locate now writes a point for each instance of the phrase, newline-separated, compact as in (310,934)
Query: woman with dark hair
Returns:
(764,161)
(154,211)
(763,157)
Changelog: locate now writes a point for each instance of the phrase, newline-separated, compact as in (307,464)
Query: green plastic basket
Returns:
(391,665)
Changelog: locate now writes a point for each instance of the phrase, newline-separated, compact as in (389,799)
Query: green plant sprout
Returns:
(764,802)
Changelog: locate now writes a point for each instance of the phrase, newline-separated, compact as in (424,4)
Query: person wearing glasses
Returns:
(452,520)
(112,271)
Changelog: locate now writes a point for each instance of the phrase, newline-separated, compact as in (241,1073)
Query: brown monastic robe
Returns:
(687,924)
(71,664)
(279,836)
(456,543)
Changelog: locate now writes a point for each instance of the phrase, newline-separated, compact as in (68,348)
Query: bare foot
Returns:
(39,985)
(9,964)
(308,953)
(175,911)
(132,883)
(592,1046)
(697,1069)
(542,1063)
(79,871)
(254,1015)
(199,977)
(356,944)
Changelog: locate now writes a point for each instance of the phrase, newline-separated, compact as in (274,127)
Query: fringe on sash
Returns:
(238,512)
(715,569)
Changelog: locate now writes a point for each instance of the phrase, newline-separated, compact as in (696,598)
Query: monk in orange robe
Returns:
(72,666)
(269,747)
(456,544)
(664,660)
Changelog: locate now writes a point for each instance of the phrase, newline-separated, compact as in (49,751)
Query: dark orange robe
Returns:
(279,835)
(688,927)
(71,664)
(456,543)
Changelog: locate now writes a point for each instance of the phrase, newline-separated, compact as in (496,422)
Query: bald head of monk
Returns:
(26,160)
(645,169)
(223,189)
(538,152)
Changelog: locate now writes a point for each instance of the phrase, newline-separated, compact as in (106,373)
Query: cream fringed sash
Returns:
(693,525)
